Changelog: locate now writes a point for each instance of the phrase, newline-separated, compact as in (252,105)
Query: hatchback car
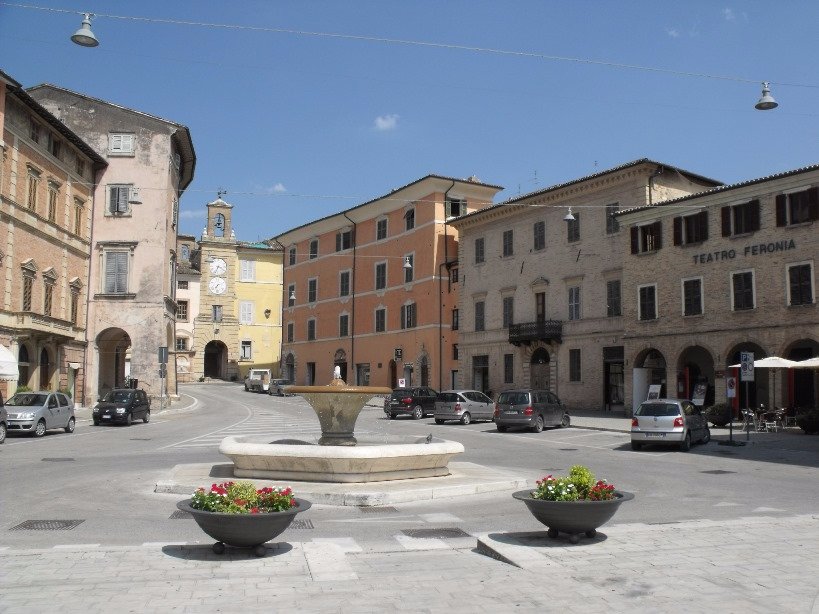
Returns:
(416,402)
(464,406)
(532,409)
(38,411)
(122,406)
(669,421)
(277,386)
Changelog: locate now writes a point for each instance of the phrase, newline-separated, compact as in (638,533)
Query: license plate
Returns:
(106,417)
(655,434)
(510,412)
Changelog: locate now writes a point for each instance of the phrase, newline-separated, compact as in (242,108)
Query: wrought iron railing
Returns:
(544,330)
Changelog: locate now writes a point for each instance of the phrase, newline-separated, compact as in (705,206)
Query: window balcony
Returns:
(545,330)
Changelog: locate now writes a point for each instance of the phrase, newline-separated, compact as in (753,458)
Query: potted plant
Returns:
(575,504)
(808,421)
(719,414)
(238,514)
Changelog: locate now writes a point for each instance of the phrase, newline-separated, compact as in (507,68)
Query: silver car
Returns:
(463,406)
(38,411)
(669,421)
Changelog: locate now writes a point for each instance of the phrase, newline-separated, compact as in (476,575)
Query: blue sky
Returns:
(296,124)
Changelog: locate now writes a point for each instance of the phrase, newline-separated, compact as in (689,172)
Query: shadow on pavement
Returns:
(205,552)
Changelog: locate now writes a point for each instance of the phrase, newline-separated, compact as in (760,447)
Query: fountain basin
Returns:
(368,461)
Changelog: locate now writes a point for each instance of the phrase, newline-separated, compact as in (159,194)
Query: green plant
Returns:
(579,485)
(242,498)
(719,414)
(23,389)
(808,421)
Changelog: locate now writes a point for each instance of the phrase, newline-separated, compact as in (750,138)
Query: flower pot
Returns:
(243,530)
(572,517)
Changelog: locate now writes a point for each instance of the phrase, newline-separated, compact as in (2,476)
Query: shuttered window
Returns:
(248,270)
(116,272)
(121,143)
(246,312)
(118,198)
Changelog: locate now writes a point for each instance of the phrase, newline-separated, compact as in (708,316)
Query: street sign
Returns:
(163,354)
(163,370)
(746,366)
(731,387)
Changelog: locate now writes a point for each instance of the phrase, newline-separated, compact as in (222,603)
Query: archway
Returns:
(539,369)
(216,359)
(748,394)
(695,376)
(340,361)
(424,369)
(649,370)
(802,383)
(45,370)
(290,369)
(113,345)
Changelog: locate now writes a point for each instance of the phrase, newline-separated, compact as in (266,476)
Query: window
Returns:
(181,344)
(28,284)
(508,368)
(381,229)
(120,144)
(508,240)
(290,332)
(574,303)
(797,207)
(34,130)
(455,354)
(344,283)
(246,350)
(185,252)
(311,330)
(539,235)
(691,228)
(79,216)
(409,219)
(647,302)
(344,240)
(313,249)
(574,366)
(80,166)
(408,316)
(48,296)
(181,311)
(742,290)
(614,302)
(54,145)
(740,219)
(312,290)
(479,315)
(75,306)
(612,225)
(646,238)
(508,311)
(33,184)
(53,190)
(380,275)
(573,228)
(409,270)
(540,306)
(291,295)
(479,250)
(245,312)
(455,319)
(116,272)
(343,325)
(453,275)
(454,207)
(118,199)
(216,313)
(380,320)
(692,296)
(291,256)
(800,284)
(182,284)
(247,270)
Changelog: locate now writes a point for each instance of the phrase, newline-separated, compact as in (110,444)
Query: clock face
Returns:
(218,266)
(217,285)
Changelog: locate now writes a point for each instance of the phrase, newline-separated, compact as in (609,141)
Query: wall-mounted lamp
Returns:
(568,217)
(407,263)
(84,37)
(267,313)
(292,295)
(766,103)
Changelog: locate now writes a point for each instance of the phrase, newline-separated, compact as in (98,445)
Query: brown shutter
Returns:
(781,216)
(754,205)
(658,233)
(813,203)
(677,231)
(726,221)
(635,240)
(703,225)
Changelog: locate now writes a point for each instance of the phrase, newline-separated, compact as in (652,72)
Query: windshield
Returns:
(27,400)
(448,397)
(658,409)
(513,398)
(118,396)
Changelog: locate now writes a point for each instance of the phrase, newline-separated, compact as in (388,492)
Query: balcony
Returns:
(545,330)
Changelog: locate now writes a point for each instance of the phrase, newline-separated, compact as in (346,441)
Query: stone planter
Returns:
(243,530)
(572,517)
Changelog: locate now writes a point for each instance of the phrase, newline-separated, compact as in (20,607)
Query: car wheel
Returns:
(565,421)
(466,418)
(127,419)
(147,417)
(636,445)
(2,432)
(537,427)
(246,388)
(706,437)
(96,422)
(69,428)
(391,416)
(417,412)
(438,421)
(501,429)
(685,446)
(40,429)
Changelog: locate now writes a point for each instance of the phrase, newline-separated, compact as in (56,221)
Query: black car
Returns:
(122,406)
(417,402)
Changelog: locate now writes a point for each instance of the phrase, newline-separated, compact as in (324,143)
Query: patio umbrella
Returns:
(772,362)
(808,363)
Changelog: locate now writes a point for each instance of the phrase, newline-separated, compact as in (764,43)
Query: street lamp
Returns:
(568,217)
(766,103)
(84,37)
(407,263)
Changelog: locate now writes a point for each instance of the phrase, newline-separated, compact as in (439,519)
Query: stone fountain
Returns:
(338,456)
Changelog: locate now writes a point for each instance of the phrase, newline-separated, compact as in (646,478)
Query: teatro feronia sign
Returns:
(757,249)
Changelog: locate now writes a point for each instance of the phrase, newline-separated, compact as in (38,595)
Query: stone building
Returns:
(541,284)
(188,287)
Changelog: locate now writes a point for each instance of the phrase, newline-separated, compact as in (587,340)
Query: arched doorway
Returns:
(802,383)
(424,368)
(340,361)
(290,368)
(22,366)
(216,359)
(749,394)
(393,374)
(539,369)
(45,370)
(695,376)
(113,345)
(649,370)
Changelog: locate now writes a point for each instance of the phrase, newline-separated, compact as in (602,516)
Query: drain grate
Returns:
(383,509)
(568,449)
(717,471)
(57,459)
(435,533)
(140,439)
(181,515)
(47,525)
(302,524)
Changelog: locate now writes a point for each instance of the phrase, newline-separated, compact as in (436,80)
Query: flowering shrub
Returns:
(242,498)
(579,485)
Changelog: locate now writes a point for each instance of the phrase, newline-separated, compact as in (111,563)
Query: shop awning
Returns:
(8,365)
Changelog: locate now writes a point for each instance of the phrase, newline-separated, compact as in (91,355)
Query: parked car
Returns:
(123,406)
(464,406)
(37,411)
(277,386)
(417,402)
(532,409)
(669,421)
(4,417)
(258,380)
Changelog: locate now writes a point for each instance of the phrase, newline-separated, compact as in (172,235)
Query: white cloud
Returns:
(193,214)
(276,189)
(384,123)
(728,14)
(672,32)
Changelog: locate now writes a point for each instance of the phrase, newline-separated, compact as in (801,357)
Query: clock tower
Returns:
(216,327)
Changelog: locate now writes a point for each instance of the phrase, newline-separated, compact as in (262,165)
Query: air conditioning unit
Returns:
(133,196)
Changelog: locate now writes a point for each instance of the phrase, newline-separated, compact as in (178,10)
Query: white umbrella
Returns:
(771,362)
(8,365)
(808,363)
